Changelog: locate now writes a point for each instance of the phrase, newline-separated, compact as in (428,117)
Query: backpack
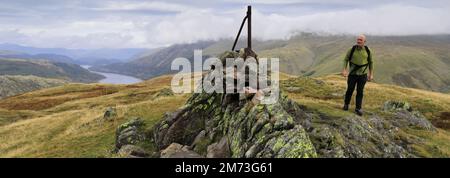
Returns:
(369,60)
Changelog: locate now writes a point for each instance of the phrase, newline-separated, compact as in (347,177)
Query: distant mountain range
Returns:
(42,56)
(155,63)
(22,72)
(79,56)
(421,61)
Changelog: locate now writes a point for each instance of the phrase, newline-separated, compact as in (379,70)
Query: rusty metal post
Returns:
(249,27)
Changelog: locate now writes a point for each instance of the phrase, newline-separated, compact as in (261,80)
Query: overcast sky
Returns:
(149,24)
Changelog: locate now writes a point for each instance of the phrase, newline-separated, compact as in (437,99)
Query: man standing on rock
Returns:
(360,61)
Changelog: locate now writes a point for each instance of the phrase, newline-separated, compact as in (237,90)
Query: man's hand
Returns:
(370,77)
(344,73)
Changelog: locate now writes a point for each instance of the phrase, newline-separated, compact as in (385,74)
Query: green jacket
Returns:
(359,58)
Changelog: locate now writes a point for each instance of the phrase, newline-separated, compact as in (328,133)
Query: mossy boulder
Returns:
(176,150)
(397,106)
(130,133)
(110,114)
(132,151)
(405,116)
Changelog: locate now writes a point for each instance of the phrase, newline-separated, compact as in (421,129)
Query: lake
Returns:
(112,78)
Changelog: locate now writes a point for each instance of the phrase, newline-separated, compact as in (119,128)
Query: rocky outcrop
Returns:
(226,125)
(405,116)
(176,150)
(220,149)
(245,129)
(132,151)
(110,114)
(128,136)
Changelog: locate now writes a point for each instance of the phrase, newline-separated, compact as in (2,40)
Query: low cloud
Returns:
(383,20)
(130,23)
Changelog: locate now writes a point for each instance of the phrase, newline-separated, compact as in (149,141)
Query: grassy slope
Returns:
(65,121)
(14,84)
(70,125)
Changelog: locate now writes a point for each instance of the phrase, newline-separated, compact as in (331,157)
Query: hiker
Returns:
(360,61)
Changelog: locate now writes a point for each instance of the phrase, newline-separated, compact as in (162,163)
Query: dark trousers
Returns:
(359,81)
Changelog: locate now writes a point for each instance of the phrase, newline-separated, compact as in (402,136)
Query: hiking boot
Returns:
(345,108)
(358,112)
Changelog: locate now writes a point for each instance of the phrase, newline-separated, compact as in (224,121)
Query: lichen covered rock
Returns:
(405,116)
(246,130)
(132,151)
(396,106)
(110,114)
(130,133)
(176,150)
(220,149)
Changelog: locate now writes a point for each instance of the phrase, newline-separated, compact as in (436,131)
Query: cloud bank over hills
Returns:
(150,24)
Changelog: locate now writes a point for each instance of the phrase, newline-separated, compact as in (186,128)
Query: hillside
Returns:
(47,69)
(413,61)
(67,121)
(156,63)
(80,120)
(14,84)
